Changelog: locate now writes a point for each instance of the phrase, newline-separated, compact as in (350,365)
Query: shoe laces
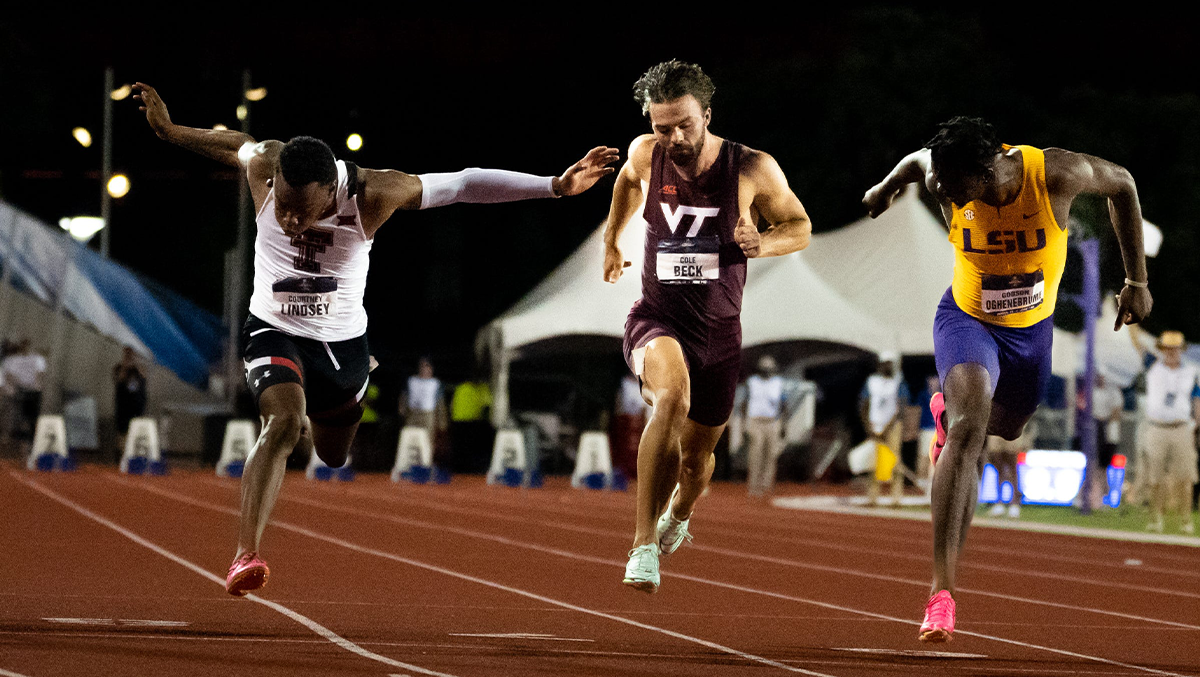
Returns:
(642,553)
(677,529)
(246,558)
(940,609)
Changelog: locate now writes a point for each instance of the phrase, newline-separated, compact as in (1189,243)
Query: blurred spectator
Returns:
(1168,447)
(470,425)
(129,396)
(880,408)
(423,405)
(928,432)
(23,371)
(1003,455)
(631,412)
(1107,404)
(764,426)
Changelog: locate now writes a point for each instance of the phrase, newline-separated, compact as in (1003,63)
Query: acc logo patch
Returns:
(669,190)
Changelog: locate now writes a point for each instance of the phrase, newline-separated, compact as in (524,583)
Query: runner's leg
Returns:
(282,409)
(332,442)
(666,385)
(697,443)
(968,393)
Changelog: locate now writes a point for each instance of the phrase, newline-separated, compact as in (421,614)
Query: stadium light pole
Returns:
(106,162)
(235,303)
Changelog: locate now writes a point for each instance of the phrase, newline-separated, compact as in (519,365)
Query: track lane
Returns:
(320,490)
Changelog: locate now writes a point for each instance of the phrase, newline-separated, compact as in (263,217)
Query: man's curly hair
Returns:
(305,159)
(964,146)
(671,80)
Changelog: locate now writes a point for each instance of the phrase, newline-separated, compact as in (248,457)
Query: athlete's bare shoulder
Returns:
(1069,173)
(261,158)
(383,191)
(762,170)
(260,161)
(641,154)
(756,162)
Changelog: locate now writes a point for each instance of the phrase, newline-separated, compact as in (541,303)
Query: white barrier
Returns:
(414,455)
(593,462)
(49,448)
(240,435)
(142,453)
(510,464)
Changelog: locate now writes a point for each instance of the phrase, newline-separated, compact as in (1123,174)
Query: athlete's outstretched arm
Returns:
(790,230)
(388,190)
(913,168)
(627,196)
(220,145)
(1070,174)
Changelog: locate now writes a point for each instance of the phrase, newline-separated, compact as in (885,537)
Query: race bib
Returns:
(1007,294)
(690,260)
(306,296)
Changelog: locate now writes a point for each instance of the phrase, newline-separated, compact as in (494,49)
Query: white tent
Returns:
(894,268)
(786,300)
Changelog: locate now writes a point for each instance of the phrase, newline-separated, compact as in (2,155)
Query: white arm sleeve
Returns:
(482,185)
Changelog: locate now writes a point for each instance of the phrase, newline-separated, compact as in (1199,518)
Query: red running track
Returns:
(114,575)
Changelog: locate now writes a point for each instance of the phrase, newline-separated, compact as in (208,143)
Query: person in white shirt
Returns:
(1168,447)
(883,398)
(764,426)
(23,373)
(423,405)
(631,412)
(1107,404)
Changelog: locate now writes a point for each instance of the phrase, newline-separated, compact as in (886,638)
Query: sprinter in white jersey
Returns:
(305,340)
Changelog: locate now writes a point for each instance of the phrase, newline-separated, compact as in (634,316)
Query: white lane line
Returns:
(480,581)
(82,621)
(118,621)
(299,618)
(6,673)
(828,545)
(833,525)
(913,653)
(606,562)
(519,635)
(761,558)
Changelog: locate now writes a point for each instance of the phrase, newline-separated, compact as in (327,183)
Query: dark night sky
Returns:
(837,98)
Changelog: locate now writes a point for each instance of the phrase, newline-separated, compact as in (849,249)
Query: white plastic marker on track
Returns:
(299,618)
(481,581)
(737,554)
(599,560)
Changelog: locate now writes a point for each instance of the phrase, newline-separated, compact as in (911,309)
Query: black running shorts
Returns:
(333,374)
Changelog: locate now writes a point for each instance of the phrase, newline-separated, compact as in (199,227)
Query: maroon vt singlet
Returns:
(693,277)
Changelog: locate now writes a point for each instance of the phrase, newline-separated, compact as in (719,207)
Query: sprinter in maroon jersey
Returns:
(705,200)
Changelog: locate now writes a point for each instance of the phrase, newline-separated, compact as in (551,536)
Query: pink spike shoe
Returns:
(937,405)
(247,573)
(939,618)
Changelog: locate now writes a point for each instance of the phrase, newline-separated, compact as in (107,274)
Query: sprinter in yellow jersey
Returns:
(1007,209)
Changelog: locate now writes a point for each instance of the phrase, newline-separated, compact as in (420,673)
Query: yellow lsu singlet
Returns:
(1009,260)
